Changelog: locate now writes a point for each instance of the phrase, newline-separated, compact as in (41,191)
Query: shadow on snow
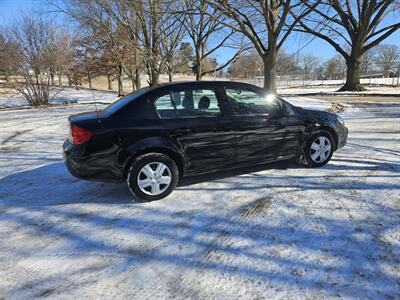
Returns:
(32,198)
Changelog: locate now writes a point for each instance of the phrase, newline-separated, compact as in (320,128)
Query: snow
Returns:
(282,231)
(309,103)
(333,90)
(284,83)
(372,80)
(61,96)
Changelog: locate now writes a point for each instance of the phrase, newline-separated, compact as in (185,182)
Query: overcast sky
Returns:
(11,8)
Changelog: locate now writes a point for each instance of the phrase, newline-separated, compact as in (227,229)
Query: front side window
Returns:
(245,101)
(188,103)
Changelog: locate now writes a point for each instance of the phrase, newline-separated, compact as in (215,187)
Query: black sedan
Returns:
(155,136)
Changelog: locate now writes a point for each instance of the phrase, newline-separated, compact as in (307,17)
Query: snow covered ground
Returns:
(284,83)
(61,96)
(333,90)
(283,232)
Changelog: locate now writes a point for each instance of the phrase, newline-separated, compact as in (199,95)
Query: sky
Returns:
(11,8)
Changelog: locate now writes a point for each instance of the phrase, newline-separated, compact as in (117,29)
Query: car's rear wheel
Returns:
(319,149)
(152,176)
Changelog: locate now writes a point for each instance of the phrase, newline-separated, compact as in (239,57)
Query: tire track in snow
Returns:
(14,135)
(236,223)
(252,210)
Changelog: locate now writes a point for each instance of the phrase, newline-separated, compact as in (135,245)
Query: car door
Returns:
(198,123)
(265,131)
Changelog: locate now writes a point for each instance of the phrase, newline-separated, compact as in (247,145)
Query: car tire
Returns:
(314,157)
(152,176)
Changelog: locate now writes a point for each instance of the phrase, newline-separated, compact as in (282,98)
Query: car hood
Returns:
(317,114)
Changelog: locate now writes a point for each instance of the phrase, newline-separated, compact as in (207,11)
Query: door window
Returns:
(165,106)
(245,101)
(188,103)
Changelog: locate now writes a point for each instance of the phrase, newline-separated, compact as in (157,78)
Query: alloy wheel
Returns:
(320,149)
(154,178)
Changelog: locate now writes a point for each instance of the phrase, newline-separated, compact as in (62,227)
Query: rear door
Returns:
(196,120)
(264,130)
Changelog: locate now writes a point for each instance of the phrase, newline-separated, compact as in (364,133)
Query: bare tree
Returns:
(336,68)
(246,66)
(319,72)
(207,34)
(355,24)
(172,33)
(35,38)
(184,58)
(387,59)
(286,63)
(308,63)
(135,29)
(3,56)
(76,73)
(63,56)
(149,33)
(113,28)
(368,61)
(8,50)
(267,24)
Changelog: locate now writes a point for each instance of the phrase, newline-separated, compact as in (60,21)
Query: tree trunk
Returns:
(89,80)
(52,78)
(120,86)
(137,78)
(69,81)
(133,82)
(353,75)
(270,71)
(199,69)
(109,82)
(170,75)
(154,76)
(198,72)
(59,80)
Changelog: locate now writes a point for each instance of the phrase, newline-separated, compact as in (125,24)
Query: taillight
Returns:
(79,135)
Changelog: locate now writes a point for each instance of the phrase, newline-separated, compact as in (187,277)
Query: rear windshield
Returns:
(121,102)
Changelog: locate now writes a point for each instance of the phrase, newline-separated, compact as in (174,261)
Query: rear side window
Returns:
(245,101)
(188,103)
(124,101)
(165,106)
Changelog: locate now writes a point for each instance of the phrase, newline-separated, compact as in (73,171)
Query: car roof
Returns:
(140,96)
(198,83)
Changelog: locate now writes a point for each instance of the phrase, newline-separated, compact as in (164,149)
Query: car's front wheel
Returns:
(319,149)
(152,176)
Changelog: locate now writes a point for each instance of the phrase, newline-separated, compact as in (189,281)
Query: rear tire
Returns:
(318,149)
(152,176)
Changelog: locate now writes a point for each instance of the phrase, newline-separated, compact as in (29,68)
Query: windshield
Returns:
(121,102)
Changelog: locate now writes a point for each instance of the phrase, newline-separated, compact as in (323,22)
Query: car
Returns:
(155,136)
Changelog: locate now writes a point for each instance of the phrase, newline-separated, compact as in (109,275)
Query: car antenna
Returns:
(95,107)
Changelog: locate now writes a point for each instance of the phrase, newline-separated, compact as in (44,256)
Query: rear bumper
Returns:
(99,166)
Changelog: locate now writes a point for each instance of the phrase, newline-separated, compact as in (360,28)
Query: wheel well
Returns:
(173,155)
(333,134)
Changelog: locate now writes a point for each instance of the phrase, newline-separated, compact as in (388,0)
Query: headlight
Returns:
(340,120)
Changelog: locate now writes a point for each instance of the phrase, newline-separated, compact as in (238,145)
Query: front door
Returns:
(264,132)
